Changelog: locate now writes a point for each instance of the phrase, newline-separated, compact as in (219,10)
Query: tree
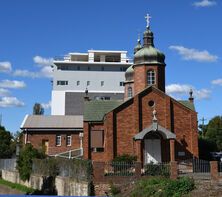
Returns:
(214,131)
(25,160)
(38,109)
(6,150)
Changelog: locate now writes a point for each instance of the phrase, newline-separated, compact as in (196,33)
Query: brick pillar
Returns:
(172,149)
(98,171)
(214,170)
(173,170)
(138,167)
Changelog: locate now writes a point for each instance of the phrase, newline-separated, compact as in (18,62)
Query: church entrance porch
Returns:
(155,144)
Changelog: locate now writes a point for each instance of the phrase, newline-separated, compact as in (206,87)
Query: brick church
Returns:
(149,123)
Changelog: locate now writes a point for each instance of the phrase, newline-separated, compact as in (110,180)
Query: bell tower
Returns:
(149,63)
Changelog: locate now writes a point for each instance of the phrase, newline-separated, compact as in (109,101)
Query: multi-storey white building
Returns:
(100,72)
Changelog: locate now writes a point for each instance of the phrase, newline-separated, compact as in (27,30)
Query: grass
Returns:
(17,186)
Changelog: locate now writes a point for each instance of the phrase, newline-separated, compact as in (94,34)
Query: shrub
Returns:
(114,190)
(163,187)
(25,160)
(157,170)
(125,158)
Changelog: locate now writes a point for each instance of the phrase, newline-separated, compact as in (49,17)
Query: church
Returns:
(148,123)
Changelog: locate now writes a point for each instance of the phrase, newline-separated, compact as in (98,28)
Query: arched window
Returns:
(151,78)
(130,92)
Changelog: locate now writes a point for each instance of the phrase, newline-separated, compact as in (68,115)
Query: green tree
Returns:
(38,109)
(214,131)
(25,160)
(6,150)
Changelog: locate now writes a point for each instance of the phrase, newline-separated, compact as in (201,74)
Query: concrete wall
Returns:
(64,186)
(69,187)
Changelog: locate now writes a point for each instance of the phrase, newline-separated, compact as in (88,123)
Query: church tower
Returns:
(149,65)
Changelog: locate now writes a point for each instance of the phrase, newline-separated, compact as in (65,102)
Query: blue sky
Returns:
(32,32)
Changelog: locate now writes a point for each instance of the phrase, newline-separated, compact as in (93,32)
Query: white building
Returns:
(101,72)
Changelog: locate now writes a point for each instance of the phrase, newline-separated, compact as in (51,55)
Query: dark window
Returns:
(151,103)
(62,83)
(121,83)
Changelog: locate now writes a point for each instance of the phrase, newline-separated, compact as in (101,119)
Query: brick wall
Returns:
(37,138)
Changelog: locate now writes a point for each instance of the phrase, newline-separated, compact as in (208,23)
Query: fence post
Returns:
(214,170)
(173,170)
(138,168)
(98,171)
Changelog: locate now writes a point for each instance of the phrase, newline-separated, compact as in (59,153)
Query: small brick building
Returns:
(148,123)
(55,134)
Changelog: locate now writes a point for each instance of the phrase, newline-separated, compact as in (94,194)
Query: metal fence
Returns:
(220,168)
(7,164)
(201,166)
(159,169)
(119,168)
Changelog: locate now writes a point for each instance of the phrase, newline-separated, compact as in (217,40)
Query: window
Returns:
(78,67)
(121,83)
(68,140)
(78,83)
(97,140)
(102,83)
(62,83)
(130,92)
(58,140)
(88,83)
(102,68)
(151,77)
(89,68)
(102,97)
(123,68)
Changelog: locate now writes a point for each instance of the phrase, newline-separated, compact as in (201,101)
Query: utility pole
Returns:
(203,120)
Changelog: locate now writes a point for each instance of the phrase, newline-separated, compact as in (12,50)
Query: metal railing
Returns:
(7,164)
(220,168)
(119,168)
(201,166)
(159,169)
(71,154)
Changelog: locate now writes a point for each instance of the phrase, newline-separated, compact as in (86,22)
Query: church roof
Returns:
(95,110)
(187,104)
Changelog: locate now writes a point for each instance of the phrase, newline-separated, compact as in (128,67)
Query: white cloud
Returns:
(194,54)
(12,84)
(10,102)
(5,67)
(46,105)
(178,90)
(217,82)
(43,61)
(25,73)
(204,3)
(45,69)
(4,92)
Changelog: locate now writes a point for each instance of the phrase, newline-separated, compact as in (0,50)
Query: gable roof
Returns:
(52,122)
(96,109)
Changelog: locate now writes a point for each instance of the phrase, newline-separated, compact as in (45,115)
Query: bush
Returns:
(114,190)
(163,187)
(25,160)
(125,158)
(157,170)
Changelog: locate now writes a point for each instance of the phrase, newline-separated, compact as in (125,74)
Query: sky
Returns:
(33,32)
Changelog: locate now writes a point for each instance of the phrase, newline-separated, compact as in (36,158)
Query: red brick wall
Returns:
(36,139)
(140,77)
